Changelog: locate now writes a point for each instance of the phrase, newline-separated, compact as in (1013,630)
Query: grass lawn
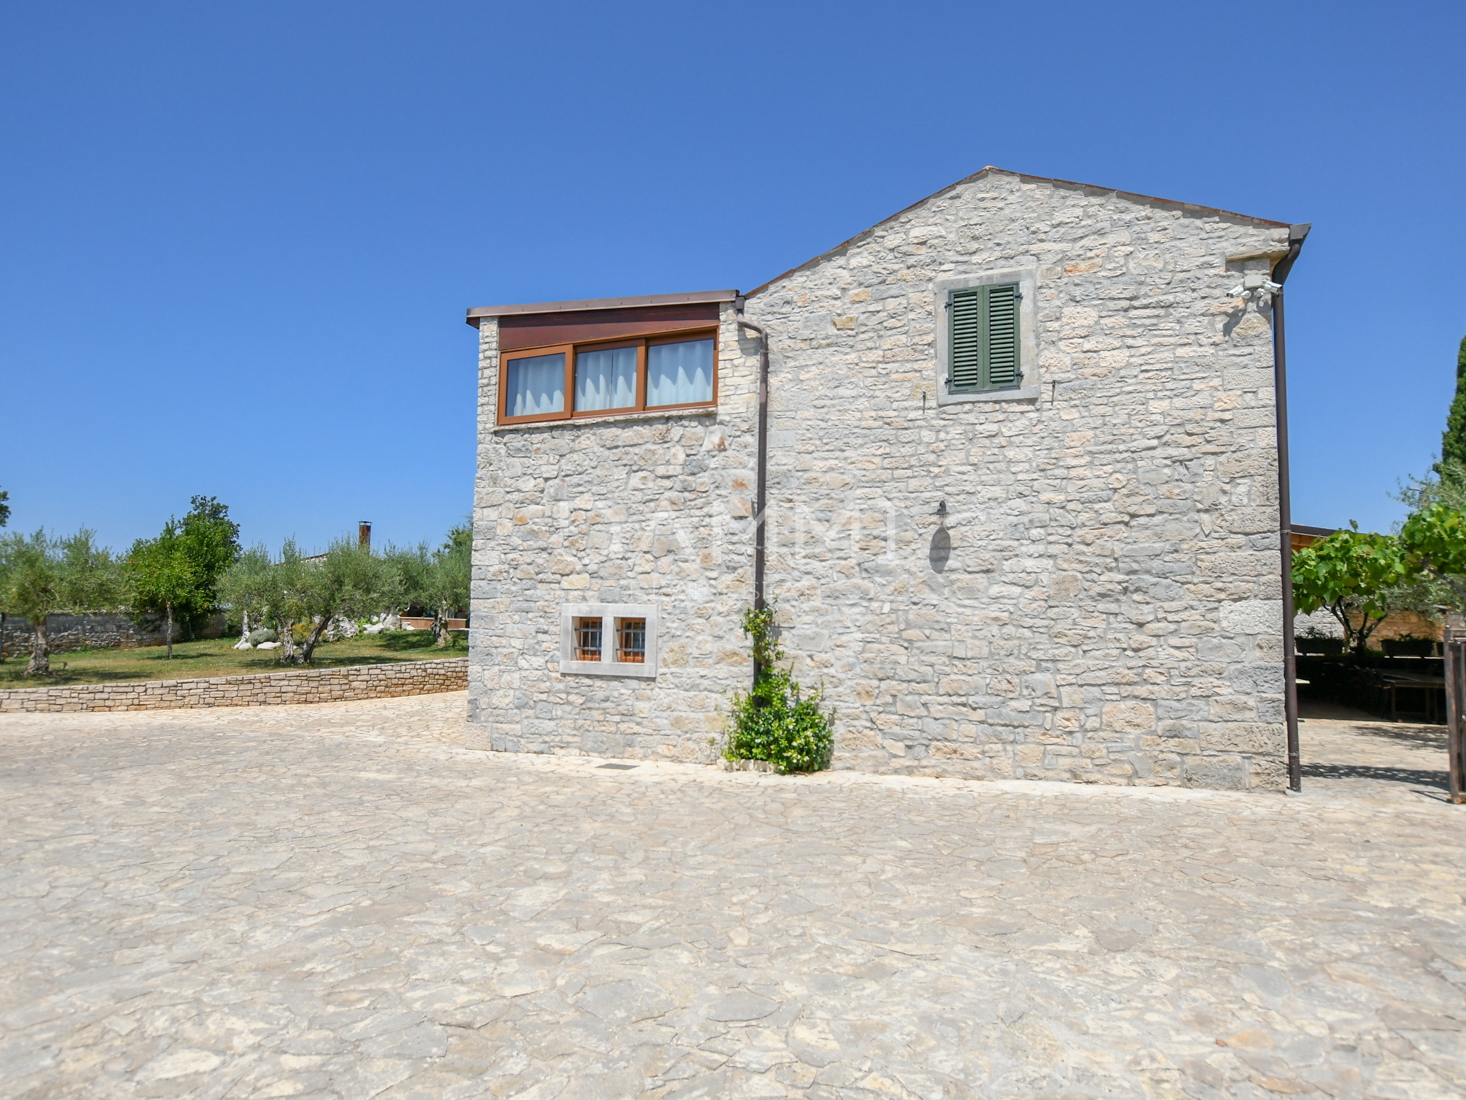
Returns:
(215,658)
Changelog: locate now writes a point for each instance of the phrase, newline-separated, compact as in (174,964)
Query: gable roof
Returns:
(992,170)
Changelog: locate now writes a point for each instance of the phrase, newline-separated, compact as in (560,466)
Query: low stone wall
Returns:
(324,685)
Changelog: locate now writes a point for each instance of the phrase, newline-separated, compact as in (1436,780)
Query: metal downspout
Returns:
(1296,236)
(760,498)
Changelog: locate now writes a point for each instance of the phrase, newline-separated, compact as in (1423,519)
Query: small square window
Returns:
(609,639)
(587,639)
(631,640)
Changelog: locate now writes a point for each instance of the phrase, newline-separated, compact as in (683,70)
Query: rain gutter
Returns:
(1296,236)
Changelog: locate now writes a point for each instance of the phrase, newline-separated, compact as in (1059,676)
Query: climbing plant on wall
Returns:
(777,721)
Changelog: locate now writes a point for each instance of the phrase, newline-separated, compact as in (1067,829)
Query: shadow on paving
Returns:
(1430,778)
(1424,737)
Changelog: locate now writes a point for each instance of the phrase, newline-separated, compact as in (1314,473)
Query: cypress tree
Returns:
(1453,442)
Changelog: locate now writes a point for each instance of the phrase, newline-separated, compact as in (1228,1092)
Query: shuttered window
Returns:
(983,339)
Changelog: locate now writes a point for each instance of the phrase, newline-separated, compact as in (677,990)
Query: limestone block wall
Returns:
(1101,600)
(325,685)
(652,509)
(1080,583)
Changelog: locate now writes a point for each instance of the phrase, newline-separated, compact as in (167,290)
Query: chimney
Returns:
(364,534)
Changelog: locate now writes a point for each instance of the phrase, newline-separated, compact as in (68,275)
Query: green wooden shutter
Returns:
(982,346)
(1002,337)
(964,370)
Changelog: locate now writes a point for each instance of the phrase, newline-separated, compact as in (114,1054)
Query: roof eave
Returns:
(588,304)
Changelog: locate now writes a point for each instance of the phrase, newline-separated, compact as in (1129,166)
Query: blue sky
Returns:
(237,241)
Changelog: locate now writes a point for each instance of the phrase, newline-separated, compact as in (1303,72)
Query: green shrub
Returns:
(776,721)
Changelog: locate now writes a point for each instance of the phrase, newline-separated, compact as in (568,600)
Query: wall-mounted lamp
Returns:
(1254,282)
(941,510)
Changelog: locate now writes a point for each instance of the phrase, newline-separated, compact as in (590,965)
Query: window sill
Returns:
(612,418)
(609,668)
(1023,393)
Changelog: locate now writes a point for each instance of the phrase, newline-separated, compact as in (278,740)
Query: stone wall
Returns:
(1397,624)
(69,633)
(324,685)
(628,510)
(1100,601)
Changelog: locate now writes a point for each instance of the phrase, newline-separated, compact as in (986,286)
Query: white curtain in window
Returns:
(679,374)
(535,385)
(605,379)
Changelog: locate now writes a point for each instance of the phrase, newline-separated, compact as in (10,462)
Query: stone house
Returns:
(1021,484)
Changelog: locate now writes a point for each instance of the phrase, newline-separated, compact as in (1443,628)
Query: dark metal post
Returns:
(760,505)
(1454,648)
(1285,546)
(1296,236)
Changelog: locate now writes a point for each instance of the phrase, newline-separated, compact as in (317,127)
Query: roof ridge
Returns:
(1130,195)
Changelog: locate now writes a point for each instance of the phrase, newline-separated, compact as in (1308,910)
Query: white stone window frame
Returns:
(1027,280)
(608,613)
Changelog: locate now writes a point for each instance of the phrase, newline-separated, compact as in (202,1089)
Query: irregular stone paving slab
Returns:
(336,901)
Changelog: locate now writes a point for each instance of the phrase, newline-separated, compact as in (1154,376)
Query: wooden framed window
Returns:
(606,378)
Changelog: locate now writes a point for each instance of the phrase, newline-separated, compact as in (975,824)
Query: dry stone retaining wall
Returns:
(324,685)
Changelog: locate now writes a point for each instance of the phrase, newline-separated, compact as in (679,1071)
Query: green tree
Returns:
(270,592)
(285,597)
(405,576)
(1350,573)
(4,519)
(776,721)
(348,581)
(1453,441)
(210,541)
(245,585)
(41,574)
(163,578)
(177,574)
(1433,539)
(446,582)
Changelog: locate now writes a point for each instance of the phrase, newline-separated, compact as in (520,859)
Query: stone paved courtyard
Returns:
(339,901)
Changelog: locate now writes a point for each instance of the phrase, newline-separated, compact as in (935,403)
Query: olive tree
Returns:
(244,587)
(347,581)
(272,591)
(293,590)
(446,582)
(41,574)
(404,577)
